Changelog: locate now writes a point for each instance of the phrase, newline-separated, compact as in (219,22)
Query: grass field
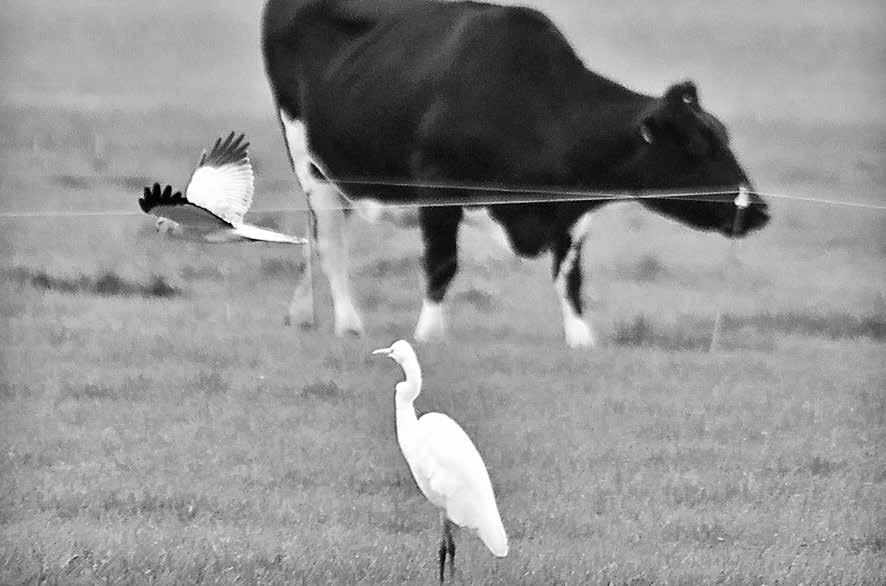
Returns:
(158,424)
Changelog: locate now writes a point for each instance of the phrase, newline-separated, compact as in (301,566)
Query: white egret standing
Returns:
(445,464)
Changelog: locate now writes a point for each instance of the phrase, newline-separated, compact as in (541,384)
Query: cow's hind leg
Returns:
(439,227)
(332,248)
(567,281)
(328,234)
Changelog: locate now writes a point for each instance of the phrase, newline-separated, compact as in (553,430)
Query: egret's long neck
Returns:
(406,393)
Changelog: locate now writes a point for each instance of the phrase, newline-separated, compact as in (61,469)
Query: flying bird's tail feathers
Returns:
(250,232)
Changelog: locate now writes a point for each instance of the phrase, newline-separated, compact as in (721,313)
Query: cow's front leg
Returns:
(567,282)
(439,227)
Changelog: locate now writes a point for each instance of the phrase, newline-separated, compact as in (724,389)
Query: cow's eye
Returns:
(688,99)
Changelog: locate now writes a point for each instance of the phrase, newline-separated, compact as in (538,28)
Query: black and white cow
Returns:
(466,93)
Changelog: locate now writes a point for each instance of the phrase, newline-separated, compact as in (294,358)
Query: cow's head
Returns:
(682,148)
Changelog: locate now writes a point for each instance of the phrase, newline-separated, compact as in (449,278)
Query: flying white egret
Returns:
(445,464)
(216,199)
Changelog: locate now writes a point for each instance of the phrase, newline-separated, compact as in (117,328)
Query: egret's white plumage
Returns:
(446,466)
(216,199)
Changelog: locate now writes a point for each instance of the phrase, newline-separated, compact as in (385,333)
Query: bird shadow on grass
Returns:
(756,331)
(386,267)
(129,389)
(286,267)
(73,182)
(483,301)
(201,273)
(642,332)
(105,283)
(133,183)
(328,390)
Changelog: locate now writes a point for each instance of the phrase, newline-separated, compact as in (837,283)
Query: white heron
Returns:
(216,199)
(445,464)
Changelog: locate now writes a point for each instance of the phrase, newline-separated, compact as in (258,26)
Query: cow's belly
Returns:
(529,233)
(518,234)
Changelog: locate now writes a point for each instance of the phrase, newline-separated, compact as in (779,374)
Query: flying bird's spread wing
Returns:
(223,180)
(174,206)
(217,197)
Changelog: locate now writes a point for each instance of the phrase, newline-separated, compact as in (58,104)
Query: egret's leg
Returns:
(447,546)
(450,542)
(442,554)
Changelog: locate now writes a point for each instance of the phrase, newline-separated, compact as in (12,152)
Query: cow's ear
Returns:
(685,93)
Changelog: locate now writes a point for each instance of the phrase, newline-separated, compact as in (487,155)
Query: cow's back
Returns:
(303,40)
(381,77)
(299,34)
(279,15)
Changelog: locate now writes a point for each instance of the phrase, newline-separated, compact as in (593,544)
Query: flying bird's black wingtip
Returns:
(231,149)
(155,196)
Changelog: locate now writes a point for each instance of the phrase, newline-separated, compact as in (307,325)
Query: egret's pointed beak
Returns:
(383,352)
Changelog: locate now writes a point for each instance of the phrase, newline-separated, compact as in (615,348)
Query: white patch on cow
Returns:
(577,331)
(373,211)
(369,209)
(580,229)
(301,307)
(296,134)
(327,205)
(431,324)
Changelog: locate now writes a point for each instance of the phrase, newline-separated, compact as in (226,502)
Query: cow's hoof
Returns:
(429,335)
(579,334)
(304,323)
(431,326)
(300,312)
(349,333)
(348,324)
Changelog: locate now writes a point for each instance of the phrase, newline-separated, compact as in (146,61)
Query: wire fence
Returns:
(485,195)
(491,195)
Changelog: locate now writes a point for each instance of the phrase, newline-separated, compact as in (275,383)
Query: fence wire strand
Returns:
(526,195)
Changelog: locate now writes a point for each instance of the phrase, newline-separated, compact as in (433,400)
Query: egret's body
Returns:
(216,200)
(446,466)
